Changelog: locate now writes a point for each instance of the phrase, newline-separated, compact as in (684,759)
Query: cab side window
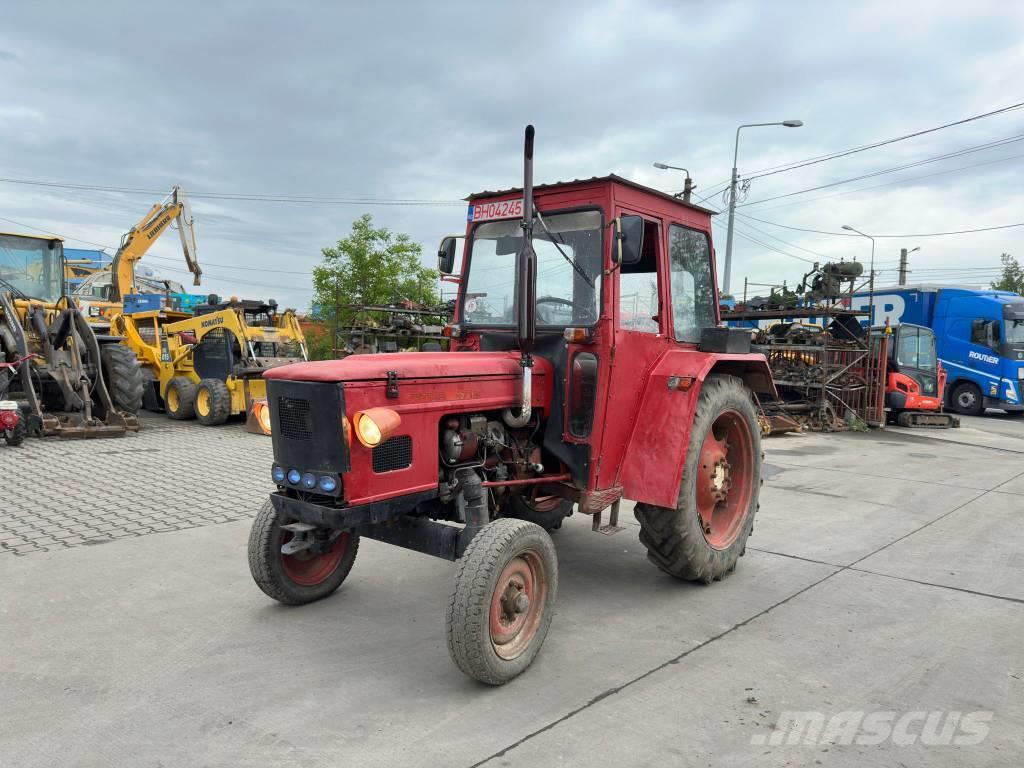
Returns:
(693,291)
(638,287)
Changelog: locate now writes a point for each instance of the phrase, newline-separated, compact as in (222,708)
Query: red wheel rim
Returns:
(725,479)
(517,604)
(308,569)
(543,503)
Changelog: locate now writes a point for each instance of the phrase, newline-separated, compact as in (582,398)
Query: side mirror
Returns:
(629,240)
(446,255)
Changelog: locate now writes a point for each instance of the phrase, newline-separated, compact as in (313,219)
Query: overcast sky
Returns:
(428,101)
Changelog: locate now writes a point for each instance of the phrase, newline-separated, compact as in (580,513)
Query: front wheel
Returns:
(966,399)
(305,575)
(213,402)
(703,537)
(502,600)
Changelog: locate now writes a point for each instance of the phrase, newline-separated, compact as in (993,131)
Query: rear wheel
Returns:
(180,399)
(703,537)
(966,399)
(502,600)
(307,575)
(213,402)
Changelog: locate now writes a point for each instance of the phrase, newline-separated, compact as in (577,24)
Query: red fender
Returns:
(652,467)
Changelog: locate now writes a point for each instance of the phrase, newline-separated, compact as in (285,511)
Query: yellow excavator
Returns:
(101,296)
(210,366)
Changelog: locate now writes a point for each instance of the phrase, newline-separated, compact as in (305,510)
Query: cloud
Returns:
(426,101)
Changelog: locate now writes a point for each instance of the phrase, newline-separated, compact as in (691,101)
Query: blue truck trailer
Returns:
(979,337)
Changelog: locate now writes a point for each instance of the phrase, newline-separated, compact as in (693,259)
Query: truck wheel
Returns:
(546,511)
(122,373)
(302,577)
(703,537)
(213,402)
(502,600)
(180,399)
(17,435)
(966,399)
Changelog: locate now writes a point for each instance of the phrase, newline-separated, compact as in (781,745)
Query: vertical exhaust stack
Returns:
(526,299)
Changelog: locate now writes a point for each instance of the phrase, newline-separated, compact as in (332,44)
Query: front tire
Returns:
(122,373)
(502,600)
(704,536)
(966,399)
(303,577)
(213,402)
(180,399)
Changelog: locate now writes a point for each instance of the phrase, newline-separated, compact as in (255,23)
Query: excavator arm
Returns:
(140,238)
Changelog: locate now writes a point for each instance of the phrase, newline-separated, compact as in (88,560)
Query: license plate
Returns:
(505,209)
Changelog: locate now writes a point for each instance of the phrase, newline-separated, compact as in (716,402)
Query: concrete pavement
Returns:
(884,576)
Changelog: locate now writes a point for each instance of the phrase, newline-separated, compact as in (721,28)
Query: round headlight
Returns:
(375,425)
(309,480)
(328,484)
(294,476)
(263,417)
(277,473)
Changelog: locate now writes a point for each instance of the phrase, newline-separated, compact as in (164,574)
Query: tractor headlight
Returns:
(277,473)
(328,484)
(261,413)
(375,425)
(309,480)
(294,476)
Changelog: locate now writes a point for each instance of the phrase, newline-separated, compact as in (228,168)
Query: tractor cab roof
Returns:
(249,305)
(617,186)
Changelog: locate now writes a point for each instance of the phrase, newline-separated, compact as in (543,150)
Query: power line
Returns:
(894,169)
(892,183)
(843,153)
(916,234)
(246,197)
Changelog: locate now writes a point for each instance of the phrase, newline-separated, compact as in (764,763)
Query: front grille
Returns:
(394,453)
(296,422)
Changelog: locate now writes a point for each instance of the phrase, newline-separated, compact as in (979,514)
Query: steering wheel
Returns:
(558,300)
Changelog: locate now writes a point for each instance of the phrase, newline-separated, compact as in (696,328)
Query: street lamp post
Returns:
(903,263)
(687,185)
(871,276)
(732,194)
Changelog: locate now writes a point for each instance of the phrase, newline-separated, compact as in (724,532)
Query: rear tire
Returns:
(180,399)
(966,399)
(300,578)
(502,600)
(704,536)
(213,402)
(122,373)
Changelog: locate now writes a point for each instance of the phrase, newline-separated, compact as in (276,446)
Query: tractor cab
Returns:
(586,366)
(32,267)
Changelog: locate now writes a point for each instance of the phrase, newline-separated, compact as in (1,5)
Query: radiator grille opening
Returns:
(394,453)
(294,417)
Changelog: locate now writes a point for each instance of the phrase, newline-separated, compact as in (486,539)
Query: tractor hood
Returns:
(409,365)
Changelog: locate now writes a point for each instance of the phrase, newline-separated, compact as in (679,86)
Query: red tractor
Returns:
(586,367)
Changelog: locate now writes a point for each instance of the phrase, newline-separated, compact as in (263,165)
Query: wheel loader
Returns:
(586,368)
(209,366)
(71,382)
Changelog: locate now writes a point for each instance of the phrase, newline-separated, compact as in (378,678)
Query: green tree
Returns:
(370,266)
(1013,275)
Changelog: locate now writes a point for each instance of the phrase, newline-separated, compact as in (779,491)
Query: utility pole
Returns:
(903,263)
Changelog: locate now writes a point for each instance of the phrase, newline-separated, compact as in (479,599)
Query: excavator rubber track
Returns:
(928,420)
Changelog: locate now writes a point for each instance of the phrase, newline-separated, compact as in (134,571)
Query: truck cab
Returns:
(979,336)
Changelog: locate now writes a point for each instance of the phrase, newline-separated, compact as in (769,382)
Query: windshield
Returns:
(568,275)
(31,267)
(1014,324)
(916,348)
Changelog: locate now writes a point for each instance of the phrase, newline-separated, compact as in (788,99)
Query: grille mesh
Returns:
(394,453)
(294,418)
